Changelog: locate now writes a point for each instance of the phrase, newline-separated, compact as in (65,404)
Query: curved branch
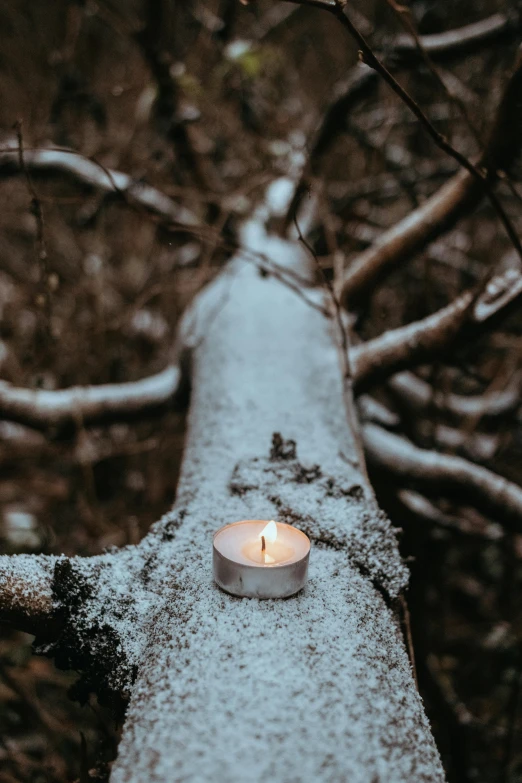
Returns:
(414,343)
(88,172)
(43,409)
(476,446)
(419,506)
(26,596)
(408,345)
(421,397)
(434,217)
(442,473)
(458,41)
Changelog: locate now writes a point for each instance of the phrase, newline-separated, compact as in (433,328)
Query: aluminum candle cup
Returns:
(259,559)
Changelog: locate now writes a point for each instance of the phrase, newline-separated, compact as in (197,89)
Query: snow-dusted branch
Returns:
(477,446)
(442,473)
(26,599)
(421,397)
(43,409)
(92,174)
(419,507)
(417,342)
(408,345)
(436,215)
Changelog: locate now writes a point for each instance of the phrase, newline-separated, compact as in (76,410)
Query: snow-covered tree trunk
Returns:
(317,687)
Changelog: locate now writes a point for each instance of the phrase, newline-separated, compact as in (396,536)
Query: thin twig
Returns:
(345,355)
(406,622)
(36,208)
(404,15)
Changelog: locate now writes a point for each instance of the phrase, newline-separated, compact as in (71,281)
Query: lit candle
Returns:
(259,559)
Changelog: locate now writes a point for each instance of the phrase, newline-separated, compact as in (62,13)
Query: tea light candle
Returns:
(259,559)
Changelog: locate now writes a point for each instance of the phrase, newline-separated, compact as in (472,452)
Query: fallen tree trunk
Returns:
(317,687)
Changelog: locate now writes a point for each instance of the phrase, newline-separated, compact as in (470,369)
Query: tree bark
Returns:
(316,687)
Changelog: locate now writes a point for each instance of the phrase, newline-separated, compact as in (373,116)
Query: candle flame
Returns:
(269,532)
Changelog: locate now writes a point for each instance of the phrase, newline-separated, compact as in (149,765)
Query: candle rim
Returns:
(285,564)
(266,521)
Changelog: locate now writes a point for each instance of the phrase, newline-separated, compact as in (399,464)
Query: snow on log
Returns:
(317,687)
(26,594)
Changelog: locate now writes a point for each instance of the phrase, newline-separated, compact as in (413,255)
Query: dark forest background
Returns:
(208,100)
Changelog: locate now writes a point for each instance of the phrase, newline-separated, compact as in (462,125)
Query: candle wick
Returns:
(263,544)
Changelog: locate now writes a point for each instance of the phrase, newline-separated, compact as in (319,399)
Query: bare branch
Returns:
(369,57)
(44,409)
(37,210)
(404,15)
(414,343)
(26,598)
(458,41)
(442,473)
(436,215)
(89,172)
(361,81)
(423,225)
(450,203)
